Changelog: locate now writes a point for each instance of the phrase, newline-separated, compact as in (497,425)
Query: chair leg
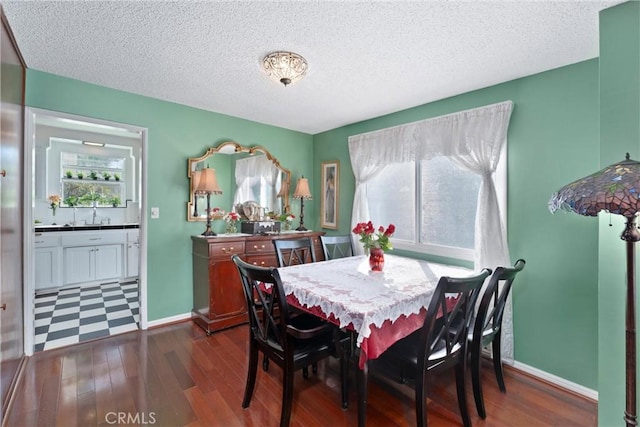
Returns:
(344,378)
(314,368)
(287,395)
(475,380)
(251,374)
(462,395)
(305,372)
(497,362)
(265,363)
(421,400)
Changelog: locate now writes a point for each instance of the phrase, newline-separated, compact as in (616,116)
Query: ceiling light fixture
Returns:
(285,67)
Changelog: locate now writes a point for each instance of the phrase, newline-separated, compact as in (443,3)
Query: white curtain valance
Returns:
(459,132)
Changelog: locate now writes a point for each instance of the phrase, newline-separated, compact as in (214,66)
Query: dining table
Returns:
(378,307)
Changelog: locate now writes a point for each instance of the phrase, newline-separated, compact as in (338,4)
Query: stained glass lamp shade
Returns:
(614,189)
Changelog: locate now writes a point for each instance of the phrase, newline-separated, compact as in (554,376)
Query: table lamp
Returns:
(302,192)
(614,189)
(208,184)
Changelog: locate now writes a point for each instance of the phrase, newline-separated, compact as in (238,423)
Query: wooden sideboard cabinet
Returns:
(218,299)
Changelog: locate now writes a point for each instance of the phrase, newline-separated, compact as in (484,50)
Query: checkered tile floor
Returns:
(74,315)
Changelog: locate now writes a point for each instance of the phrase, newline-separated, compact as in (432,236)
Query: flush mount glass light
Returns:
(285,67)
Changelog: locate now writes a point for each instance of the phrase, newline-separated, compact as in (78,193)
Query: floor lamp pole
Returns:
(631,236)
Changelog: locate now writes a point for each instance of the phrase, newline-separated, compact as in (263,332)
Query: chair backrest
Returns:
(448,317)
(336,246)
(266,302)
(489,316)
(294,251)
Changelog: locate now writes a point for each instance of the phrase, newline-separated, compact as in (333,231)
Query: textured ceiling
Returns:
(365,59)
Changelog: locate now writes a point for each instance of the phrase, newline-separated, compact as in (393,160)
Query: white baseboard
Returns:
(166,320)
(560,382)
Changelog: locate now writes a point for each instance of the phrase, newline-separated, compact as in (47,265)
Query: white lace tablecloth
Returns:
(354,295)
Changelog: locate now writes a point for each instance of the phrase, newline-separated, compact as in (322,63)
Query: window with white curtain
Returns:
(440,181)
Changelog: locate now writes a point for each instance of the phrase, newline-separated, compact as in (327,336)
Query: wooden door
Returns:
(12,80)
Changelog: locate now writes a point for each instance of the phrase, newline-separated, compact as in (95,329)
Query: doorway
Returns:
(85,261)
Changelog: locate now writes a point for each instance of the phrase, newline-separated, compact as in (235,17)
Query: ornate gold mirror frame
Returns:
(230,148)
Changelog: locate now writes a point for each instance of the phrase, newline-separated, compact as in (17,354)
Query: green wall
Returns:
(175,133)
(553,139)
(619,134)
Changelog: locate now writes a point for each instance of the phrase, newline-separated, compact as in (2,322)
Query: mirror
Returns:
(244,174)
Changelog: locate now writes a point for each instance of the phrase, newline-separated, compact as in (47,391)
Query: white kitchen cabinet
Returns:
(78,257)
(47,261)
(133,253)
(90,256)
(90,263)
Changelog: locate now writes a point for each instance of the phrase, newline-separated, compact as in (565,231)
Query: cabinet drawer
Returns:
(44,241)
(105,238)
(262,260)
(132,236)
(225,249)
(261,247)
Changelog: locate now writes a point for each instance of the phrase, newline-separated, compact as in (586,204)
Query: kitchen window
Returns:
(89,179)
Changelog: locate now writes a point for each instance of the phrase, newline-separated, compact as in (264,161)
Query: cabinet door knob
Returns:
(3,173)
(3,306)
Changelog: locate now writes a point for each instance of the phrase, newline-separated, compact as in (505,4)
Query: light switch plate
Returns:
(155,213)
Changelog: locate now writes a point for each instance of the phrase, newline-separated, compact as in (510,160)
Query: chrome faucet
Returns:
(95,211)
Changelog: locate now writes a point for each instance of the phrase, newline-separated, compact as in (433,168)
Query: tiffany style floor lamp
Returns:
(614,189)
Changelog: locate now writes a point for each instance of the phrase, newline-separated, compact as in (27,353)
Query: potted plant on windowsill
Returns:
(116,176)
(69,174)
(93,175)
(115,201)
(106,176)
(80,175)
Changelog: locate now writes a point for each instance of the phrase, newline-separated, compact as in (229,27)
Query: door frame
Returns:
(29,240)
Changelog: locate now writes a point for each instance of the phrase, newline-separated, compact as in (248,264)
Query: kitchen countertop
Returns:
(67,227)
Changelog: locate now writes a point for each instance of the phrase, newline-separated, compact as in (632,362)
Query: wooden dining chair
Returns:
(294,251)
(487,328)
(336,246)
(440,343)
(292,342)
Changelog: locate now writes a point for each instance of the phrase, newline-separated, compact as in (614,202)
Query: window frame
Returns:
(500,179)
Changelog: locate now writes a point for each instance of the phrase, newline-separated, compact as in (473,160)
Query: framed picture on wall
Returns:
(329,200)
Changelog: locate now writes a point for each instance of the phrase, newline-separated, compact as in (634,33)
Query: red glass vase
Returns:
(376,259)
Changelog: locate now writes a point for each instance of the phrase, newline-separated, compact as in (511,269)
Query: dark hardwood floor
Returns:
(177,376)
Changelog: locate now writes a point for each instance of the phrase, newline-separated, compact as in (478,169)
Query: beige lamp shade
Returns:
(302,189)
(208,182)
(195,180)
